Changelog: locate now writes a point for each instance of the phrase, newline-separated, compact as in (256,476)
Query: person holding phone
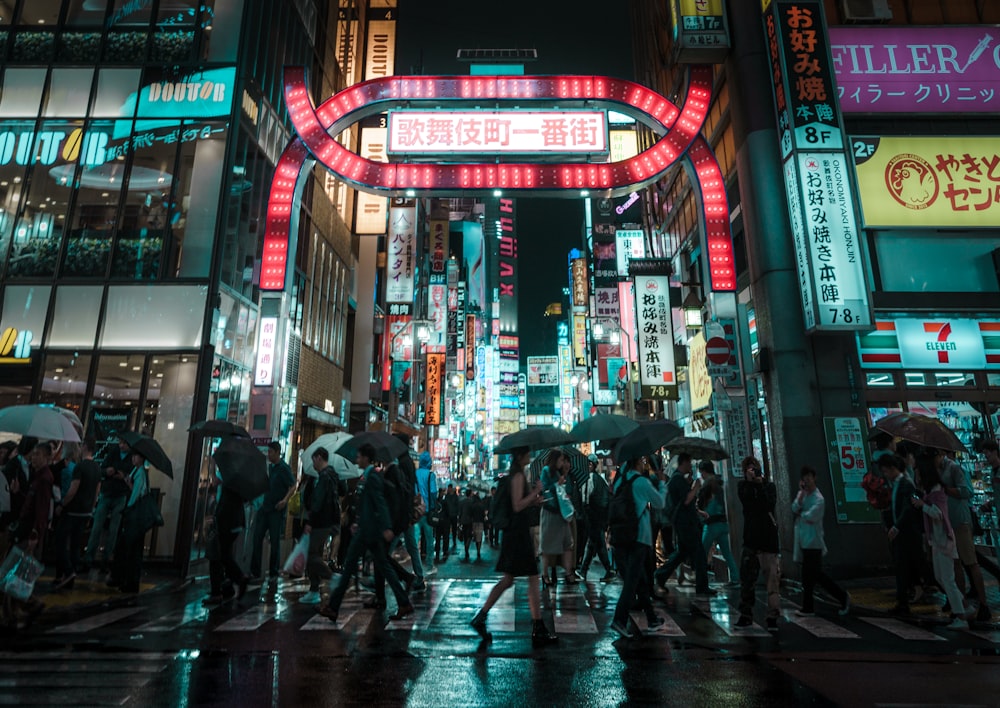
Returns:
(758,495)
(810,545)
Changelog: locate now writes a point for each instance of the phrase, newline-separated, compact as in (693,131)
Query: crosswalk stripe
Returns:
(502,613)
(194,611)
(669,629)
(990,636)
(249,620)
(323,624)
(902,629)
(573,616)
(99,620)
(820,628)
(725,616)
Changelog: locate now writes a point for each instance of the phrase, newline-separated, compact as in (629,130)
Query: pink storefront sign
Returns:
(917,69)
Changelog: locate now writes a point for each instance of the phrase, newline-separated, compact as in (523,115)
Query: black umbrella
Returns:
(218,428)
(649,437)
(603,426)
(150,449)
(387,447)
(535,438)
(242,466)
(579,466)
(922,430)
(698,448)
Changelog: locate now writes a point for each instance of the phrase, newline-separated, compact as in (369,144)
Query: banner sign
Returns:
(438,244)
(581,292)
(931,343)
(606,304)
(372,208)
(437,313)
(847,447)
(580,339)
(267,347)
(433,387)
(699,29)
(401,261)
(928,182)
(656,337)
(911,69)
(699,383)
(543,371)
(497,131)
(630,244)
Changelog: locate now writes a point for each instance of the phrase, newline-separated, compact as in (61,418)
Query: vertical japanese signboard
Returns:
(848,453)
(371,209)
(266,349)
(631,244)
(438,244)
(824,224)
(508,265)
(654,323)
(401,252)
(434,387)
(699,29)
(437,313)
(581,292)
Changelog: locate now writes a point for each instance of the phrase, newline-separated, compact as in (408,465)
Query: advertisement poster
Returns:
(847,447)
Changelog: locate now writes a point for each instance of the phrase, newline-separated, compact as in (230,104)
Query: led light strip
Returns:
(715,209)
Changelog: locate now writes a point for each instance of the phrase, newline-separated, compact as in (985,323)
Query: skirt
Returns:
(556,534)
(517,551)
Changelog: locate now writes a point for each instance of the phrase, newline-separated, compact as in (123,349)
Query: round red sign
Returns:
(717,350)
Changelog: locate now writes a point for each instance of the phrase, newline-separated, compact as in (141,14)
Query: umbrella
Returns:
(534,437)
(242,466)
(218,428)
(579,466)
(150,449)
(603,426)
(387,447)
(649,437)
(331,441)
(42,422)
(922,430)
(698,448)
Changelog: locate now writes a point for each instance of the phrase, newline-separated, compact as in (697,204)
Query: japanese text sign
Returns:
(543,371)
(508,131)
(433,387)
(400,261)
(656,337)
(929,182)
(631,245)
(699,27)
(581,291)
(909,69)
(266,350)
(940,343)
(847,449)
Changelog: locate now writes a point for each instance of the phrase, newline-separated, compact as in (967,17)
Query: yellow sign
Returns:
(580,339)
(15,347)
(698,378)
(929,182)
(701,7)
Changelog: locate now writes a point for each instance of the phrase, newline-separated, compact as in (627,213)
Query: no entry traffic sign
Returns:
(717,350)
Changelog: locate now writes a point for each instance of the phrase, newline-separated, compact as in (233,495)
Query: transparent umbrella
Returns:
(42,422)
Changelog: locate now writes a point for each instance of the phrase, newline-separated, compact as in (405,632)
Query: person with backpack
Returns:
(322,521)
(596,496)
(633,499)
(373,534)
(399,500)
(517,553)
(759,496)
(427,488)
(682,509)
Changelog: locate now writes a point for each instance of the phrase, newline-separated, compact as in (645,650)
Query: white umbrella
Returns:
(42,422)
(331,441)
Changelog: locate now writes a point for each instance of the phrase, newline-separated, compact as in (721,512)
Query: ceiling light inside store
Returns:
(122,363)
(142,179)
(136,368)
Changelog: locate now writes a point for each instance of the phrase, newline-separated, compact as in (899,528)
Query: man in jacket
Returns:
(596,495)
(683,491)
(323,522)
(374,534)
(810,544)
(758,495)
(904,531)
(427,488)
(270,520)
(110,504)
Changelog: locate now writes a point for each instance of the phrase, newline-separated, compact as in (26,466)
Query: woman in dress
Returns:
(556,532)
(517,553)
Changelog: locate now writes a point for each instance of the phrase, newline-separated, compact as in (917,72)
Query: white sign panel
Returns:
(629,244)
(802,267)
(401,258)
(829,229)
(606,305)
(371,210)
(437,313)
(654,322)
(510,131)
(940,344)
(266,346)
(543,371)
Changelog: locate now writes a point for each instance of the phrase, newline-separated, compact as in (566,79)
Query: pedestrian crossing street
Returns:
(448,604)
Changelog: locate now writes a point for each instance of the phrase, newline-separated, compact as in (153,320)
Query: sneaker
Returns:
(574,577)
(401,612)
(310,598)
(430,571)
(419,585)
(958,623)
(772,624)
(622,630)
(608,577)
(328,613)
(655,622)
(846,607)
(804,613)
(744,621)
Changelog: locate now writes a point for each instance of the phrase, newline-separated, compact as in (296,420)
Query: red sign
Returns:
(717,350)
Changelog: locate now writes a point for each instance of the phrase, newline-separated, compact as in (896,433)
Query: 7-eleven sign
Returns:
(938,343)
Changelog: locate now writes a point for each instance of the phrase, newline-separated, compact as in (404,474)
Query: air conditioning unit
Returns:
(866,10)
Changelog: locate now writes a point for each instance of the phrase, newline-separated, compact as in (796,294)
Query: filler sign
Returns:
(554,132)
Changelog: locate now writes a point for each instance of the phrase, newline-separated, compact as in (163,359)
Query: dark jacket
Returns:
(373,511)
(905,517)
(451,506)
(324,507)
(229,514)
(760,531)
(686,517)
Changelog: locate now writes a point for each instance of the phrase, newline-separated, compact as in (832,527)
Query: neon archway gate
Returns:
(678,130)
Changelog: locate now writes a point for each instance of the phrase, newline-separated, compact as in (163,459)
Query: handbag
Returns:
(18,574)
(434,516)
(145,513)
(295,503)
(565,505)
(296,563)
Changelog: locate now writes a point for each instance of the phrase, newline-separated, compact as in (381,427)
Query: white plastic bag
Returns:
(296,563)
(565,505)
(18,574)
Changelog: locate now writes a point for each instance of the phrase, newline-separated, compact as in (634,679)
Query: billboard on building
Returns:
(400,264)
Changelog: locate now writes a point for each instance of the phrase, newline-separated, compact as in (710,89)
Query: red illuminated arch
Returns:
(678,127)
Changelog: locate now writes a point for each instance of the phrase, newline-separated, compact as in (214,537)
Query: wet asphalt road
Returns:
(165,649)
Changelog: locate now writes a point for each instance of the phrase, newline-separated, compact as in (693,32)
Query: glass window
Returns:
(86,12)
(40,12)
(33,45)
(201,174)
(12,173)
(129,13)
(912,262)
(65,381)
(125,47)
(79,47)
(939,378)
(116,91)
(74,321)
(219,43)
(115,400)
(154,316)
(24,309)
(879,379)
(69,93)
(993,379)
(22,92)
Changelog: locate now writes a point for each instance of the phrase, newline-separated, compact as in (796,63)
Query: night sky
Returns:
(581,37)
